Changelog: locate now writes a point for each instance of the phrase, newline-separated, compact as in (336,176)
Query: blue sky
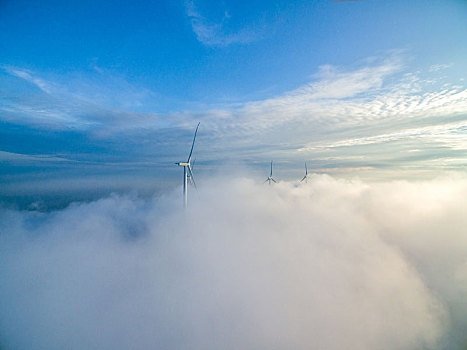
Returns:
(99,94)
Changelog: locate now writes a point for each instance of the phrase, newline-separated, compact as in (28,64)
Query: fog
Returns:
(331,264)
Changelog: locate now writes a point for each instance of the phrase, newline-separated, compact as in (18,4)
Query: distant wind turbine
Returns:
(187,171)
(270,179)
(306,174)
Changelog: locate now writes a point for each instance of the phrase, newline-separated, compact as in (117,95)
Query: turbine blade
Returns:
(303,178)
(193,144)
(273,180)
(271,169)
(193,164)
(191,176)
(306,169)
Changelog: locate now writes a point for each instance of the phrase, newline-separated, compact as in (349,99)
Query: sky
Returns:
(104,96)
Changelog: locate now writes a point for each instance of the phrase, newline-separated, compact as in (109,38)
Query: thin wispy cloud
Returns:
(29,76)
(15,157)
(439,67)
(450,134)
(105,102)
(212,33)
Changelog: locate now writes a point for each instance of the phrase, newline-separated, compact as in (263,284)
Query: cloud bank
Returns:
(331,264)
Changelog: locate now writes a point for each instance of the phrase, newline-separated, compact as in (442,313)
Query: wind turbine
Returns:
(269,179)
(187,172)
(306,174)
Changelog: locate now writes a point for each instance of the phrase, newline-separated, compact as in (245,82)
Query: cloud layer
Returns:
(373,106)
(331,264)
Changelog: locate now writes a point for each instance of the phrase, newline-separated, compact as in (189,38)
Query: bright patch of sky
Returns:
(98,89)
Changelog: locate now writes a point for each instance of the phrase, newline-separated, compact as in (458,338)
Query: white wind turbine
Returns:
(187,172)
(306,174)
(270,179)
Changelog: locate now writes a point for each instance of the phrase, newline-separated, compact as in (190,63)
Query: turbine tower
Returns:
(187,171)
(270,179)
(306,174)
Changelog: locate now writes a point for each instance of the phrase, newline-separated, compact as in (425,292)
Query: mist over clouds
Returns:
(332,264)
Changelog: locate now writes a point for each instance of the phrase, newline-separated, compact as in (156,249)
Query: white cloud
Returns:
(439,67)
(357,98)
(216,33)
(450,134)
(29,76)
(331,264)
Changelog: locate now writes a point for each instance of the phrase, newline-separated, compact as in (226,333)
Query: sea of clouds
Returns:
(331,264)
